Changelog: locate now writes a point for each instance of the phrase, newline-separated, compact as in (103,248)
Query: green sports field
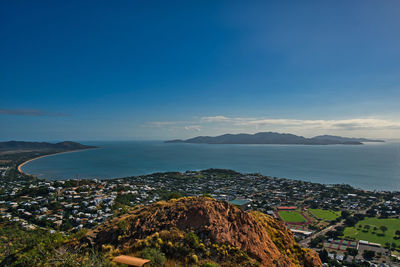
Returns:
(291,216)
(369,234)
(326,215)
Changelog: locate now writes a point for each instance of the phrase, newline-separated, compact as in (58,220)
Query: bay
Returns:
(373,166)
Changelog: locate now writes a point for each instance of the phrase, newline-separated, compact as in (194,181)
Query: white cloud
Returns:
(216,119)
(196,128)
(349,124)
(358,123)
(160,124)
(213,125)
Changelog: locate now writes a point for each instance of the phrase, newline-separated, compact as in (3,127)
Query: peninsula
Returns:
(274,138)
(19,153)
(41,146)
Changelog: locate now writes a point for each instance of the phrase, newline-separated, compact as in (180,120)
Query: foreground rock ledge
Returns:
(263,238)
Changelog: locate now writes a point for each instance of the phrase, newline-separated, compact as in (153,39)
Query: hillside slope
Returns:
(274,138)
(206,228)
(41,146)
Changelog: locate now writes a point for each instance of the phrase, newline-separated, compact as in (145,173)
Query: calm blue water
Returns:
(370,166)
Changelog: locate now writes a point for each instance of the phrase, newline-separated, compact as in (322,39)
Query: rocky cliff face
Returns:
(217,224)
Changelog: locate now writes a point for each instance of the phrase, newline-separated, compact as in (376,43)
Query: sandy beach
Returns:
(64,152)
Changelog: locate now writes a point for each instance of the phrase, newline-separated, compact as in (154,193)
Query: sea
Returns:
(372,166)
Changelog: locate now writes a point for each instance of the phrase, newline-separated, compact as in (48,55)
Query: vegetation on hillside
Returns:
(200,230)
(40,247)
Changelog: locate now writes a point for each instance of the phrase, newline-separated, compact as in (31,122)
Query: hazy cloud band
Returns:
(221,124)
(29,112)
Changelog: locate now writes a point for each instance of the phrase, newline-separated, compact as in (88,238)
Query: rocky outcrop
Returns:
(260,236)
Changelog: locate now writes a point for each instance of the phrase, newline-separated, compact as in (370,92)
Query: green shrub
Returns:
(194,258)
(156,257)
(192,240)
(209,264)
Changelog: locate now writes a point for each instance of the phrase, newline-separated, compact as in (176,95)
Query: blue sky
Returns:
(123,70)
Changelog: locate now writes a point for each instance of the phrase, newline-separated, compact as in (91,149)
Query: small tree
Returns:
(323,254)
(345,214)
(315,241)
(383,228)
(352,251)
(368,254)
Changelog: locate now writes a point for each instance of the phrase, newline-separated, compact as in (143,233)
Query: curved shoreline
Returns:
(48,155)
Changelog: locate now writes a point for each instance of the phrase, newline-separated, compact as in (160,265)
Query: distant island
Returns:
(274,138)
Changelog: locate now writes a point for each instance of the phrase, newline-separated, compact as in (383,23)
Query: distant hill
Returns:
(344,139)
(41,146)
(274,138)
(211,230)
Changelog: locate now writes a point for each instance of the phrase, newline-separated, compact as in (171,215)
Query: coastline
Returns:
(48,155)
(142,158)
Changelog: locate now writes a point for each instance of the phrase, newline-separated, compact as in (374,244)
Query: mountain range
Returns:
(274,138)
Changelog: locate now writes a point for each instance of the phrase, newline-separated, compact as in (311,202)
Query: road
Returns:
(306,242)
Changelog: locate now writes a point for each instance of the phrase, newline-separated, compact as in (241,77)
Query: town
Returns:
(333,219)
